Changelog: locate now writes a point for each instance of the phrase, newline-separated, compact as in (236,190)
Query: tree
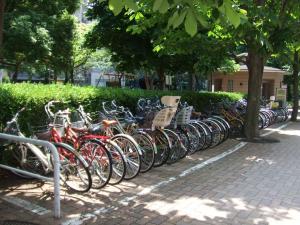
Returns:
(26,37)
(296,68)
(259,25)
(263,33)
(2,7)
(131,51)
(139,40)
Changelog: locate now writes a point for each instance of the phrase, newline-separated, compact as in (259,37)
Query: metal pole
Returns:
(55,161)
(56,179)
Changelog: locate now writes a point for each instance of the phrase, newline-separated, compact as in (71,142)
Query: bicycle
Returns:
(73,168)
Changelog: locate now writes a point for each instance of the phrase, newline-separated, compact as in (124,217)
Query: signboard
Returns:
(280,94)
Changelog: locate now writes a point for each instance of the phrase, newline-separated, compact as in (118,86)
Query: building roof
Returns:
(267,69)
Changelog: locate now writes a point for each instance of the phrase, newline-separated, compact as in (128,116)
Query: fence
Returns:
(56,162)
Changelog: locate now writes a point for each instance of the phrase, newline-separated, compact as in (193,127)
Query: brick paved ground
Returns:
(258,184)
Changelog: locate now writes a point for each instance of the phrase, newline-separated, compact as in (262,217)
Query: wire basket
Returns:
(164,117)
(171,101)
(41,132)
(184,116)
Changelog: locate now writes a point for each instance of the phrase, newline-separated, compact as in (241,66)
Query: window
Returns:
(230,86)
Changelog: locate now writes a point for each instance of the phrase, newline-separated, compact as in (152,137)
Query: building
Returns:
(238,81)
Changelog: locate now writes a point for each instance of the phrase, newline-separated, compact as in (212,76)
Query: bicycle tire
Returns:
(148,148)
(163,146)
(193,137)
(203,133)
(118,162)
(176,146)
(83,176)
(99,160)
(132,153)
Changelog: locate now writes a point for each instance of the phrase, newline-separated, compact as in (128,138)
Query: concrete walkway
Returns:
(235,183)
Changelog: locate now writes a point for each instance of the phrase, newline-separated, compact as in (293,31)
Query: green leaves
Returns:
(190,23)
(157,4)
(179,19)
(131,4)
(116,6)
(233,16)
(161,5)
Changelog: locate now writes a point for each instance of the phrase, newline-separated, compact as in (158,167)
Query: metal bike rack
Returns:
(56,162)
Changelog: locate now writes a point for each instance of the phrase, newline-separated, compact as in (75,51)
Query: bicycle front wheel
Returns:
(74,170)
(99,161)
(132,154)
(148,149)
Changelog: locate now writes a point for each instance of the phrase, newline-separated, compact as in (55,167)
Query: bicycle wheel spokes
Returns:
(148,149)
(99,160)
(74,169)
(118,162)
(130,150)
(163,146)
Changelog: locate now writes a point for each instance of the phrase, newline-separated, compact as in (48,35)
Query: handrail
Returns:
(56,162)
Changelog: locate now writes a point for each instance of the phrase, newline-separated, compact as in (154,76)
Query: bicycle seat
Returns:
(108,123)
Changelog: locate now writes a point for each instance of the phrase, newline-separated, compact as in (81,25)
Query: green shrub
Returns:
(6,79)
(35,96)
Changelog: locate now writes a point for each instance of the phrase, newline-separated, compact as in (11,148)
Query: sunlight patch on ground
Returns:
(254,158)
(280,216)
(290,132)
(192,207)
(239,204)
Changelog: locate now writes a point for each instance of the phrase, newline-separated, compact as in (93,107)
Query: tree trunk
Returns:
(66,77)
(255,64)
(162,78)
(210,87)
(193,82)
(2,6)
(15,75)
(120,77)
(72,76)
(147,81)
(46,80)
(295,86)
(55,76)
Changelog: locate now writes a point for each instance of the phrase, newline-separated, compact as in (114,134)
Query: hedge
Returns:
(35,96)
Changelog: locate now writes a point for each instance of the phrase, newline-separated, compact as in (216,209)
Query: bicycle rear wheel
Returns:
(25,159)
(177,148)
(194,137)
(118,162)
(148,148)
(99,161)
(203,134)
(131,151)
(74,170)
(163,146)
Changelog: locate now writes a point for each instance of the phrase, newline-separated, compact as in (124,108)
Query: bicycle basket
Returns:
(77,121)
(59,124)
(184,116)
(163,117)
(171,101)
(41,132)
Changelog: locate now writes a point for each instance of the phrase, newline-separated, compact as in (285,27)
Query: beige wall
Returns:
(240,80)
